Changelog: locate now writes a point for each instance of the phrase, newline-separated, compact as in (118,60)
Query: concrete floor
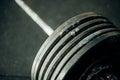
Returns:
(21,38)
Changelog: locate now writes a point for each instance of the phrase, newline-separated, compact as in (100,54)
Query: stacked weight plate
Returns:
(68,43)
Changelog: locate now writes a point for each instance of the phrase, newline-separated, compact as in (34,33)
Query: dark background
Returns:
(21,37)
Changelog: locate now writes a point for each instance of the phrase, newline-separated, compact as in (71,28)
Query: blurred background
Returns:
(21,37)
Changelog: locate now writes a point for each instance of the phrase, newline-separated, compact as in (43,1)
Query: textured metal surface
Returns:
(68,43)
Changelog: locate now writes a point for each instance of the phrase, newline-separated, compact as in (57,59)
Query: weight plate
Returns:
(60,48)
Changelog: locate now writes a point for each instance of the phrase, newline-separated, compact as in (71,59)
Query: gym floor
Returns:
(21,37)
